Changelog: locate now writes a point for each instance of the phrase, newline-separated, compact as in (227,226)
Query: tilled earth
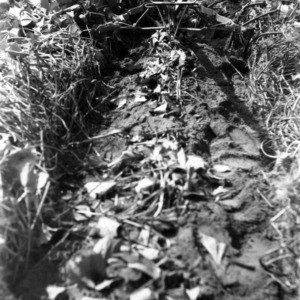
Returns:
(211,119)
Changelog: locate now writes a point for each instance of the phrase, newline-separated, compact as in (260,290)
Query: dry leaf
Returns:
(140,98)
(181,158)
(215,249)
(157,90)
(98,189)
(196,162)
(27,18)
(147,267)
(122,102)
(145,185)
(45,235)
(82,213)
(149,253)
(54,291)
(144,235)
(144,294)
(108,227)
(161,109)
(194,293)
(190,161)
(104,284)
(107,246)
(219,190)
(221,168)
(231,204)
(42,180)
(170,145)
(182,58)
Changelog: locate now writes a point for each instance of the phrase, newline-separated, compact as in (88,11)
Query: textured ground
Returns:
(211,120)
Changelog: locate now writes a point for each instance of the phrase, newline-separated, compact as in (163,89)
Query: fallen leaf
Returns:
(144,236)
(42,180)
(122,102)
(82,213)
(45,235)
(215,249)
(196,162)
(108,227)
(221,168)
(182,58)
(104,284)
(26,18)
(157,90)
(182,159)
(98,189)
(145,185)
(161,109)
(147,267)
(149,253)
(140,98)
(219,190)
(54,291)
(194,293)
(231,204)
(143,294)
(107,246)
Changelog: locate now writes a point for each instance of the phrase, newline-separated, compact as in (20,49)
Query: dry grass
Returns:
(46,96)
(274,92)
(44,100)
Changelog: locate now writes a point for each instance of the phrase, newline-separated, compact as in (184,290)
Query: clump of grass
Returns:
(45,101)
(274,92)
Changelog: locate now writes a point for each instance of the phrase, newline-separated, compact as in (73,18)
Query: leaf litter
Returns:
(173,206)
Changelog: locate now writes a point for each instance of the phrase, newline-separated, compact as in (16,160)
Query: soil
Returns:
(212,119)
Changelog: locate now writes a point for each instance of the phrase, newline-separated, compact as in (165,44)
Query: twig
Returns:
(97,137)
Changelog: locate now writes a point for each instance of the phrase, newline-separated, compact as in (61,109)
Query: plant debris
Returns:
(149,150)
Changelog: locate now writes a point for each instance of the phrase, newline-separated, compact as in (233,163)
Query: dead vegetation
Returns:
(170,216)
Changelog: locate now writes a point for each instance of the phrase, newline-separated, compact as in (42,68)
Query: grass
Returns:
(45,99)
(274,93)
